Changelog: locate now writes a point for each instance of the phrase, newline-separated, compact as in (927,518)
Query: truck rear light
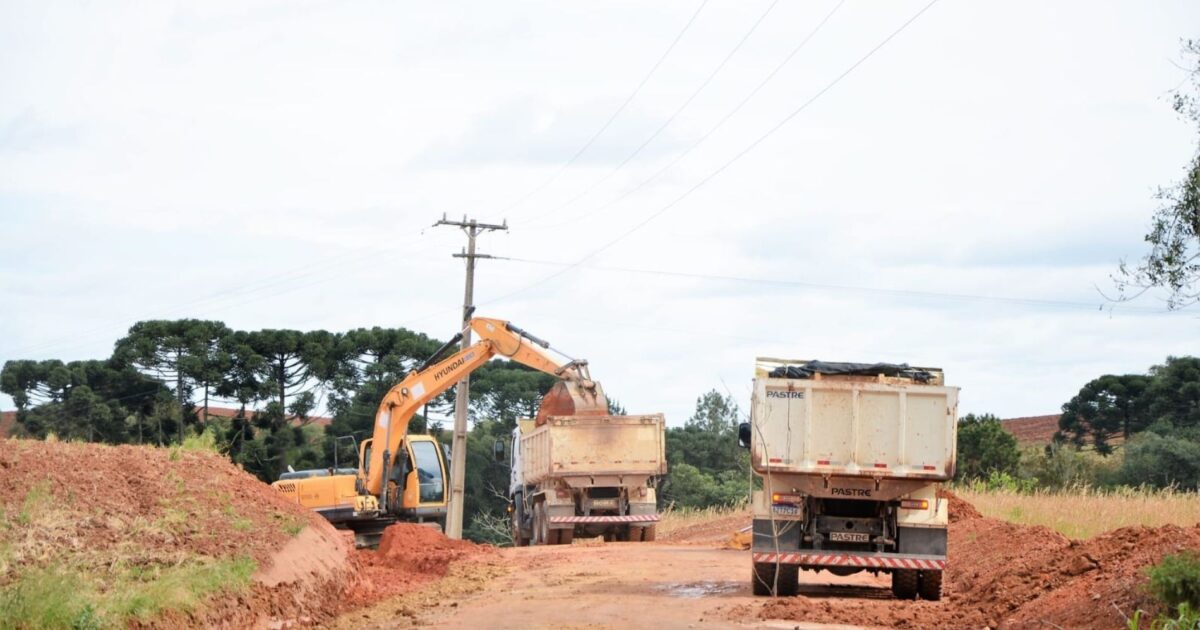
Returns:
(915,504)
(822,462)
(929,467)
(785,498)
(880,465)
(563,494)
(641,492)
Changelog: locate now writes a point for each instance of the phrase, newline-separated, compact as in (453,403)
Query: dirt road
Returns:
(614,585)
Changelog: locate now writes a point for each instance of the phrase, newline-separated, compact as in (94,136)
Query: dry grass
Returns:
(1085,512)
(715,523)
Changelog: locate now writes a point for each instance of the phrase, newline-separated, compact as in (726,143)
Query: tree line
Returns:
(162,376)
(1119,429)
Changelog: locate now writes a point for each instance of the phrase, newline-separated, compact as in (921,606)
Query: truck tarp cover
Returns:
(807,370)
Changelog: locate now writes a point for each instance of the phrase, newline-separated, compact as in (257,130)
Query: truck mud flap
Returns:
(855,559)
(634,518)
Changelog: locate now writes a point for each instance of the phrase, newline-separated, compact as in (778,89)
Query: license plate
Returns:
(850,537)
(788,510)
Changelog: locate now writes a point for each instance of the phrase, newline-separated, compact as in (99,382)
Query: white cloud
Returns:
(279,165)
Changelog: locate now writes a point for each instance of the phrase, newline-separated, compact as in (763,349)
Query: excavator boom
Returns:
(496,337)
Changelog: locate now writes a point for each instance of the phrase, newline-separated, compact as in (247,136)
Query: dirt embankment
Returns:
(1003,575)
(120,522)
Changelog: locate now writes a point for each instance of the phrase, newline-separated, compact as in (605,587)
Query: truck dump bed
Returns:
(895,424)
(590,446)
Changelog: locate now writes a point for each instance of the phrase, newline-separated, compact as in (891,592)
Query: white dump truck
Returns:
(591,474)
(850,456)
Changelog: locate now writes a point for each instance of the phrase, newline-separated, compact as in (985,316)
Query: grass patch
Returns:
(673,519)
(48,598)
(1084,512)
(37,497)
(58,597)
(290,524)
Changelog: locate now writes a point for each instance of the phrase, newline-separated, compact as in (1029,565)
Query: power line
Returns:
(739,155)
(669,119)
(850,288)
(629,99)
(719,124)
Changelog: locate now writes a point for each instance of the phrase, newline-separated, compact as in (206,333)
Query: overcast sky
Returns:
(959,199)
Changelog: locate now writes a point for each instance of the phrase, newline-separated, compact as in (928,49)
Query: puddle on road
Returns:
(695,590)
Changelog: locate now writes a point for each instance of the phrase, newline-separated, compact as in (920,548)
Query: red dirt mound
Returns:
(100,509)
(1003,575)
(409,555)
(959,510)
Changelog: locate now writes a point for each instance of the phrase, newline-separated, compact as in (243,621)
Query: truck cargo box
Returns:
(593,446)
(896,424)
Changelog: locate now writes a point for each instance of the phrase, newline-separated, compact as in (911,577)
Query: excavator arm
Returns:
(496,337)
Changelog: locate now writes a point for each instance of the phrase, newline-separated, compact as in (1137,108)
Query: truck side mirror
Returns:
(498,451)
(744,435)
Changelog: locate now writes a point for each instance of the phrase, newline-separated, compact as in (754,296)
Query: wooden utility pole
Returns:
(458,450)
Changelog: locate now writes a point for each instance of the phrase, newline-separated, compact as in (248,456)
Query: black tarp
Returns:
(807,370)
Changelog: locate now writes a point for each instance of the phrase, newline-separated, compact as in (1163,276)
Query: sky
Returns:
(687,185)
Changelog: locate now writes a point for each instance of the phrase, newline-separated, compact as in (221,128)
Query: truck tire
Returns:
(545,530)
(788,580)
(931,585)
(539,536)
(635,533)
(762,578)
(565,536)
(648,533)
(515,521)
(904,583)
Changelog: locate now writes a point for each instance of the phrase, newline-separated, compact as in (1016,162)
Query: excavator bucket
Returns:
(571,398)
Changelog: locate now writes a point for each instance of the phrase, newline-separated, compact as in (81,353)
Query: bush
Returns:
(1161,462)
(1059,466)
(1176,581)
(984,447)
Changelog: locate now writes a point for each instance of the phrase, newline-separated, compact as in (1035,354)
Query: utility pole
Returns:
(458,450)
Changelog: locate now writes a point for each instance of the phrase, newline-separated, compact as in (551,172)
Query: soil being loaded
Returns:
(409,555)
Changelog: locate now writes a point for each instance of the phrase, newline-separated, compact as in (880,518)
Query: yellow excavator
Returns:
(404,477)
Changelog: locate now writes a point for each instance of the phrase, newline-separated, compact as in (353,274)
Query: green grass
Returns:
(58,597)
(37,497)
(290,524)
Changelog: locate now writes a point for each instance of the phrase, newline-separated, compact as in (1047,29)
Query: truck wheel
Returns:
(635,533)
(789,580)
(565,536)
(648,533)
(537,526)
(904,583)
(762,578)
(543,524)
(517,538)
(931,585)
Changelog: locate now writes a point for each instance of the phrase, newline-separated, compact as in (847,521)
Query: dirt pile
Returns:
(1003,575)
(408,556)
(118,520)
(959,510)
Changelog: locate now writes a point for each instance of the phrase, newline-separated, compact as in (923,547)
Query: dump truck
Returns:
(585,473)
(850,456)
